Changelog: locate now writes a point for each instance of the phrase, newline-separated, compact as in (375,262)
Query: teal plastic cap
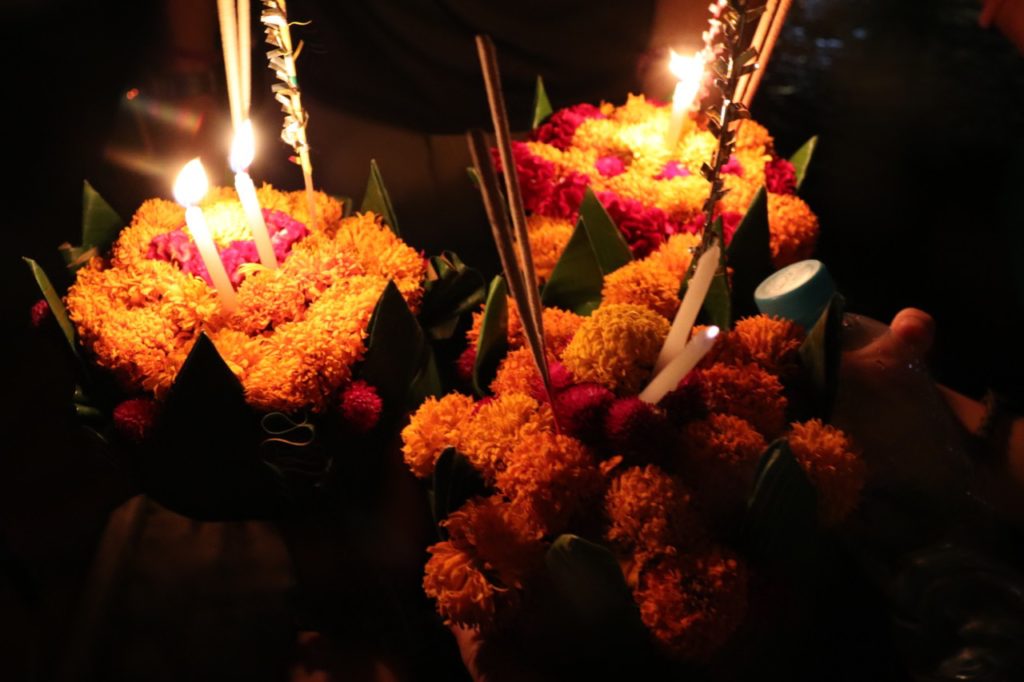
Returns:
(798,292)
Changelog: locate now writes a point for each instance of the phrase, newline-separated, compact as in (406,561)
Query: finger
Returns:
(915,328)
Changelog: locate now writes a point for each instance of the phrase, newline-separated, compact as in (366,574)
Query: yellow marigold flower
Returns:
(683,197)
(328,209)
(693,604)
(549,478)
(464,595)
(751,135)
(676,254)
(745,391)
(432,428)
(498,426)
(835,469)
(794,229)
(696,149)
(616,346)
(773,343)
(650,513)
(643,282)
(548,238)
(636,110)
(741,193)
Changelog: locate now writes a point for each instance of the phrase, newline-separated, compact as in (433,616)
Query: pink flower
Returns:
(686,402)
(610,166)
(638,431)
(536,175)
(780,176)
(732,167)
(581,409)
(561,379)
(40,313)
(177,247)
(731,221)
(560,128)
(564,198)
(464,365)
(644,228)
(360,406)
(134,418)
(673,169)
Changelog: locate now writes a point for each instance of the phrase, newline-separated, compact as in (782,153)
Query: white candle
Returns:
(242,151)
(693,301)
(690,72)
(189,189)
(681,365)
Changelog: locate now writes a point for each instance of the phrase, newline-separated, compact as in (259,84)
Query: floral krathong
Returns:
(298,329)
(651,192)
(233,410)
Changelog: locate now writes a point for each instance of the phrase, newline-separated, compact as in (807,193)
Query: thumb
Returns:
(915,328)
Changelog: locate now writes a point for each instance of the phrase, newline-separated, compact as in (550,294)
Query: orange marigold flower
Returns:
(722,452)
(773,343)
(549,478)
(643,282)
(548,237)
(500,425)
(504,545)
(676,254)
(693,604)
(835,469)
(464,594)
(794,229)
(616,346)
(650,513)
(380,252)
(559,327)
(518,373)
(746,391)
(432,428)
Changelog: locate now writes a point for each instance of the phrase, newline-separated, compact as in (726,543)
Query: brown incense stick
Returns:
(497,215)
(776,18)
(499,115)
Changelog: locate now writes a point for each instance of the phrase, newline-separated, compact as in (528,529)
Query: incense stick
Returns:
(497,216)
(499,115)
(229,41)
(245,55)
(764,52)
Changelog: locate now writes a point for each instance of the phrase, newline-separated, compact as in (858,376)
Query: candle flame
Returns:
(712,331)
(243,148)
(191,185)
(690,72)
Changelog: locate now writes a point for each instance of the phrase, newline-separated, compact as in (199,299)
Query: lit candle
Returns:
(690,72)
(686,315)
(189,189)
(681,365)
(242,151)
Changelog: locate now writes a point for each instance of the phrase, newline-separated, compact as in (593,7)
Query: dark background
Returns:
(916,179)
